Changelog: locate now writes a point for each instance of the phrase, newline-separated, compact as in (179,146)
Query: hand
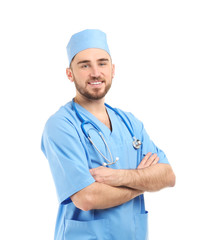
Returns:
(106,175)
(149,160)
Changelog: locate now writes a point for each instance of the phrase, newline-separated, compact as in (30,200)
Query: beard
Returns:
(93,94)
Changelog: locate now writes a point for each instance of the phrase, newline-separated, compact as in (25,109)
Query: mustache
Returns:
(96,79)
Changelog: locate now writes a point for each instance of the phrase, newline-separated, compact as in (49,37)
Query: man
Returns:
(102,159)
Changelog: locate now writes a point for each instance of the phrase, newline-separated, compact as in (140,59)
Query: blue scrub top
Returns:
(71,155)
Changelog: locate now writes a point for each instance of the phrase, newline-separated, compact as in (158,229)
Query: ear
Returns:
(113,70)
(69,74)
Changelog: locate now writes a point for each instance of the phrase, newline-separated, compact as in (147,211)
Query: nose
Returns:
(95,73)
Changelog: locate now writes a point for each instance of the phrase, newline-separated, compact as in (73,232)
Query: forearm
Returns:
(152,178)
(105,196)
(102,196)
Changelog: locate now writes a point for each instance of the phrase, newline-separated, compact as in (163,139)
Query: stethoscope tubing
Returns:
(83,121)
(136,143)
(113,109)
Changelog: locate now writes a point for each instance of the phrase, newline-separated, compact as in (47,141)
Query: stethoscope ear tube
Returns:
(108,164)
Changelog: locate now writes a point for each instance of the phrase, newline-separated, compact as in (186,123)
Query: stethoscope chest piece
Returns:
(136,143)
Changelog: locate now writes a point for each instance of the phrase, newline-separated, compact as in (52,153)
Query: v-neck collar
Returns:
(105,130)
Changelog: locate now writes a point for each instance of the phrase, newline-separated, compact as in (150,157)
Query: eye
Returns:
(102,64)
(85,66)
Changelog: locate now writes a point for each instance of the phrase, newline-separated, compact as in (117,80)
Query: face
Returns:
(92,72)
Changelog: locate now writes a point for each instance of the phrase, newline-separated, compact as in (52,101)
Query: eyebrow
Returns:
(103,59)
(84,61)
(99,60)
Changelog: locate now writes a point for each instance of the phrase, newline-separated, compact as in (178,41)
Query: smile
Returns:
(95,83)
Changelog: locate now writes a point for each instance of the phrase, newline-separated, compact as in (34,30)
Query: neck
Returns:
(93,106)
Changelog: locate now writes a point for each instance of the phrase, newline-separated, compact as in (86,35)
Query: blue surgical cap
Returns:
(89,38)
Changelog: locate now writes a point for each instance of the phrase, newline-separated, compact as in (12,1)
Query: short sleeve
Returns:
(67,158)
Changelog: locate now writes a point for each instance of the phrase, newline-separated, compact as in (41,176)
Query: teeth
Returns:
(95,83)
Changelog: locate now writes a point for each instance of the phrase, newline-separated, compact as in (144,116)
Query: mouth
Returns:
(96,83)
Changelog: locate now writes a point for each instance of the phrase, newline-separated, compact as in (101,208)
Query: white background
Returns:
(160,55)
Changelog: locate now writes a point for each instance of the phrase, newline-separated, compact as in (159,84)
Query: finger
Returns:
(155,161)
(151,160)
(95,169)
(144,160)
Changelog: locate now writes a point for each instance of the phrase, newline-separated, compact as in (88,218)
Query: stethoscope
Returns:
(136,142)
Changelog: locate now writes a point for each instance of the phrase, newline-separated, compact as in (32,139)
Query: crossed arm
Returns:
(101,196)
(114,187)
